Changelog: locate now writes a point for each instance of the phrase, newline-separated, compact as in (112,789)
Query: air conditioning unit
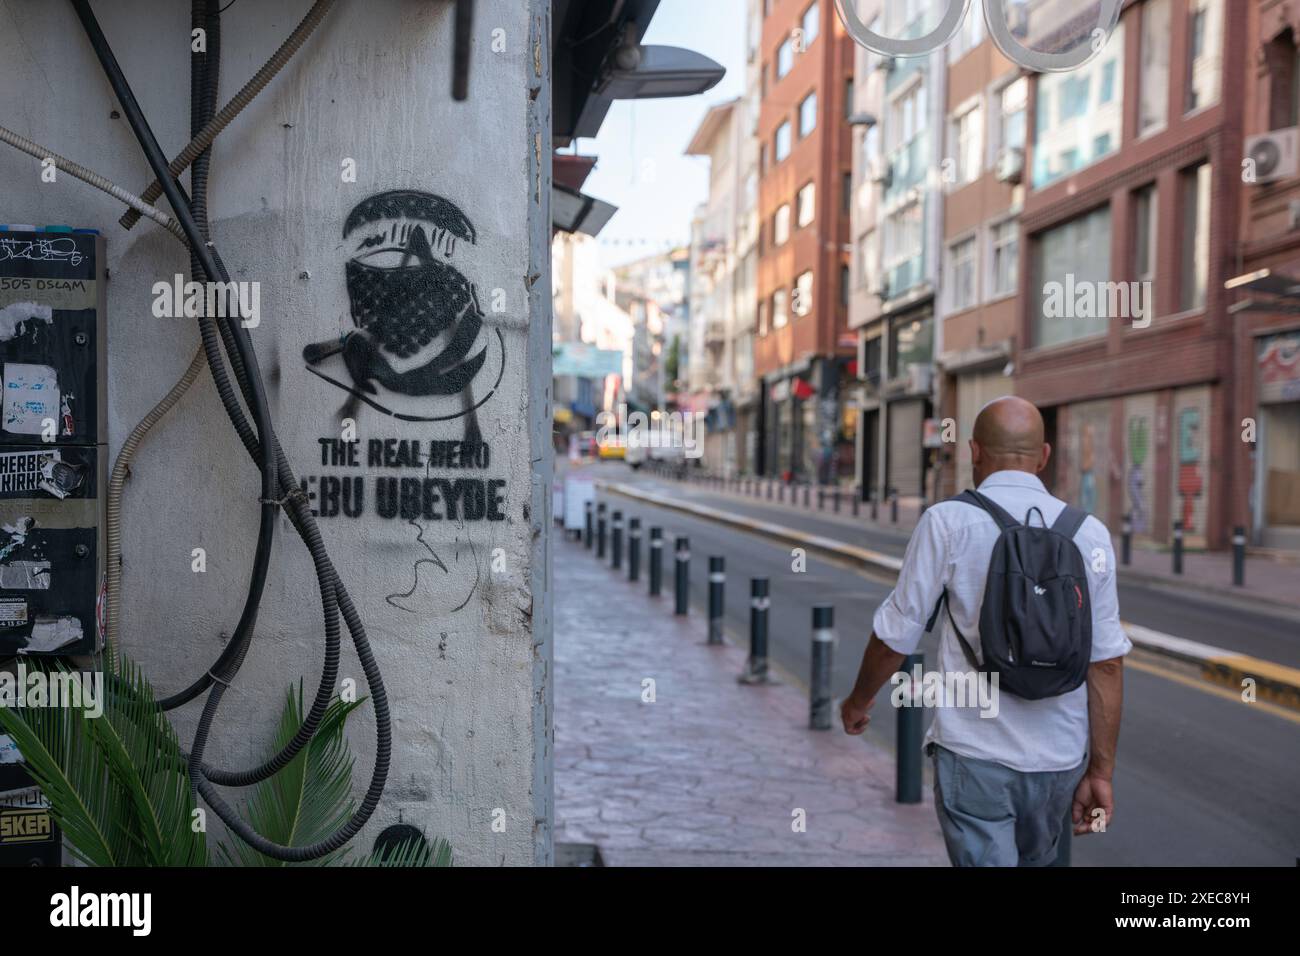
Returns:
(1011,164)
(881,289)
(1273,155)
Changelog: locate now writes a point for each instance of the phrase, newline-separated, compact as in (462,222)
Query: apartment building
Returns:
(1264,471)
(804,351)
(982,185)
(1133,167)
(899,123)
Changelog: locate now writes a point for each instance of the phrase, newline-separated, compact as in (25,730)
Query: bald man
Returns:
(1007,770)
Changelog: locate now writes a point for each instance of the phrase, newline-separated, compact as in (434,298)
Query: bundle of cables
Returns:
(226,340)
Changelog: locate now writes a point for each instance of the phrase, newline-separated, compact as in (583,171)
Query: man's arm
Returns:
(1105,701)
(879,662)
(900,621)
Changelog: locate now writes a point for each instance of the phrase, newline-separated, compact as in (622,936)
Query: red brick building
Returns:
(1265,473)
(1134,192)
(804,350)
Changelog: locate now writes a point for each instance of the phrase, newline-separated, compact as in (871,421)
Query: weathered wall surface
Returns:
(447,564)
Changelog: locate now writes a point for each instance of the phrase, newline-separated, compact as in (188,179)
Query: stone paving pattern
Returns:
(711,772)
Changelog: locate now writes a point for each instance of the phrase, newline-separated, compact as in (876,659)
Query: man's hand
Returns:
(1093,793)
(855,714)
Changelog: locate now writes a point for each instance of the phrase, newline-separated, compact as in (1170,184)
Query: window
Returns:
(1005,265)
(781,225)
(846,193)
(907,117)
(968,145)
(848,98)
(1078,115)
(1012,100)
(1282,63)
(913,344)
(804,202)
(781,147)
(784,57)
(961,275)
(1195,236)
(1205,60)
(803,294)
(808,114)
(1144,234)
(971,32)
(779,317)
(1153,100)
(903,248)
(811,24)
(844,285)
(1071,270)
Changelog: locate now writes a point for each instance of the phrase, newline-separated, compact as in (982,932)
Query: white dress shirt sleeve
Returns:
(900,621)
(1108,637)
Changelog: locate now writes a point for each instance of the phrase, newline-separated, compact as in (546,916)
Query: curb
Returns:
(1275,683)
(1192,587)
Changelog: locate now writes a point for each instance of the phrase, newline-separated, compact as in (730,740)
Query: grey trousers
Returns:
(992,815)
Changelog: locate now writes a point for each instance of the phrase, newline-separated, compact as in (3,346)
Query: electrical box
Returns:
(28,835)
(53,434)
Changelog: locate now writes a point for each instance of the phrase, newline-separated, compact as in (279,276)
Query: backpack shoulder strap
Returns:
(1069,521)
(965,645)
(999,514)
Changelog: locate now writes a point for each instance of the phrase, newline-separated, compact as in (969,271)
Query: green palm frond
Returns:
(409,853)
(311,797)
(116,783)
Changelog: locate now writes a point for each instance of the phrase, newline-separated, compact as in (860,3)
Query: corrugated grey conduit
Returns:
(236,105)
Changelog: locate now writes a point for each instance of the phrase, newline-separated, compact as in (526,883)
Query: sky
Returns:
(640,166)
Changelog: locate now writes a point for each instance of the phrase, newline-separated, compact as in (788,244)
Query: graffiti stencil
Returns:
(418,349)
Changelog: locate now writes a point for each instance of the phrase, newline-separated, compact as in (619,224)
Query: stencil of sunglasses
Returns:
(1047,36)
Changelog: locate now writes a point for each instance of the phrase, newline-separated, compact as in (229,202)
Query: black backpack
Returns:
(1036,621)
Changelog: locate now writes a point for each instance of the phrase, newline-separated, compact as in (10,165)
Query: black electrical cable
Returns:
(276,476)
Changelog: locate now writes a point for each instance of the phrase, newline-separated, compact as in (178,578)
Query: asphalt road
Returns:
(1203,779)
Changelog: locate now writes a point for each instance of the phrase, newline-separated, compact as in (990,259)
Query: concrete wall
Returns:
(458,611)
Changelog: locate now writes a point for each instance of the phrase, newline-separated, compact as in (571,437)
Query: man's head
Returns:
(1008,436)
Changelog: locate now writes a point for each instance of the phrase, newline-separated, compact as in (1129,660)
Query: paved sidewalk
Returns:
(1207,573)
(712,772)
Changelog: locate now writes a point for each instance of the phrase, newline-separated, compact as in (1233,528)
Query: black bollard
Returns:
(616,543)
(717,584)
(1126,540)
(908,723)
(656,561)
(835,497)
(1178,547)
(821,498)
(1239,556)
(893,508)
(633,549)
(807,494)
(819,690)
(600,531)
(587,527)
(875,507)
(756,667)
(682,575)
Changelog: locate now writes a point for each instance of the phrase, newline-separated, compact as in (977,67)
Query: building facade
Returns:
(804,351)
(1263,466)
(1133,173)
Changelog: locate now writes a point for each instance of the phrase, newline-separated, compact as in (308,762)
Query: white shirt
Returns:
(950,548)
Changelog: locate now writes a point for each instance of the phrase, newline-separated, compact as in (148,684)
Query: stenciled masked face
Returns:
(404,295)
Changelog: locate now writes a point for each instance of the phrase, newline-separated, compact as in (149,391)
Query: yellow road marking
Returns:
(1197,683)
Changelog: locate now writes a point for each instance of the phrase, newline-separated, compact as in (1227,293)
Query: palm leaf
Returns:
(115,783)
(409,853)
(311,797)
